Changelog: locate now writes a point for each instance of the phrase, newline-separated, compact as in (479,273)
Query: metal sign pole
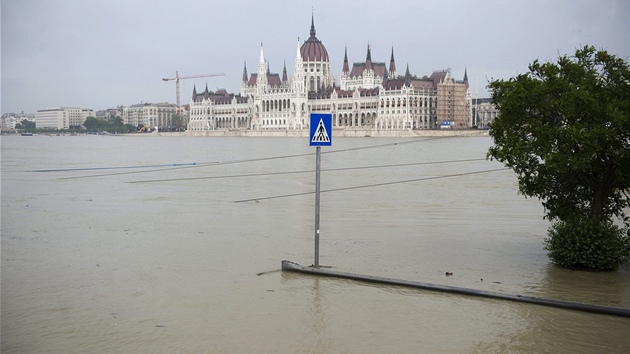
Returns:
(320,135)
(317,173)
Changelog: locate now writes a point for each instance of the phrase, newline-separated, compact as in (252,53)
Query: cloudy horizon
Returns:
(99,55)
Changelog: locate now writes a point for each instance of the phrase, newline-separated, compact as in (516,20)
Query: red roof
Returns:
(252,80)
(438,77)
(344,93)
(313,49)
(359,68)
(394,84)
(272,79)
(422,84)
(397,84)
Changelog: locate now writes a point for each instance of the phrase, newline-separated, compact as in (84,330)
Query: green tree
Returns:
(174,123)
(25,124)
(93,124)
(564,128)
(115,124)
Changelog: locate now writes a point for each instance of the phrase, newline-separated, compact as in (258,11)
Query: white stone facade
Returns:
(370,96)
(9,120)
(213,114)
(484,112)
(62,117)
(151,115)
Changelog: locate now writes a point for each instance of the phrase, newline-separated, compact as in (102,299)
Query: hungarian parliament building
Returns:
(370,96)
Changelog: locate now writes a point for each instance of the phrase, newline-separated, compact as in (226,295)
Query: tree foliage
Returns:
(114,124)
(564,128)
(587,244)
(25,124)
(93,124)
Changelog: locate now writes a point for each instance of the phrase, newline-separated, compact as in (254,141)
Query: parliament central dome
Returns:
(313,49)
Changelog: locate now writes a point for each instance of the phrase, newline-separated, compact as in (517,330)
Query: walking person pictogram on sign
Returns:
(321,129)
(321,135)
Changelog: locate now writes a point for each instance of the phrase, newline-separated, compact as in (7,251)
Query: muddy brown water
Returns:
(162,260)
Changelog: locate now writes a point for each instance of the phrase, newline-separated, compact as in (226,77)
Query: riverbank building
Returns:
(369,96)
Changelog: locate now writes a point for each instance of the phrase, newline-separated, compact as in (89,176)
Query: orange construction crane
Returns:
(177,78)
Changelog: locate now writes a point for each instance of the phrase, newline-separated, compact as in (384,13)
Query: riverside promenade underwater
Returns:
(345,133)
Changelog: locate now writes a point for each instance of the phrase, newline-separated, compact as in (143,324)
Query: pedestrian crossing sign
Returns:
(321,129)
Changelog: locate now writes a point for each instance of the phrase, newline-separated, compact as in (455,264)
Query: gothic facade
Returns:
(369,96)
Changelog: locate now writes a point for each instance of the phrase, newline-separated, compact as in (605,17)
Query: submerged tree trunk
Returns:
(603,190)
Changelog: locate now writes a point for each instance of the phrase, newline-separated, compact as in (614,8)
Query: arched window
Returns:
(311,87)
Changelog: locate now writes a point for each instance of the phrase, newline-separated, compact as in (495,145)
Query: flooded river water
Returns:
(163,259)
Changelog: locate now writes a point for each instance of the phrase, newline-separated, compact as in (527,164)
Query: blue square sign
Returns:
(321,129)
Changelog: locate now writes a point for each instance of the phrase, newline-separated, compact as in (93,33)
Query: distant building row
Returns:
(150,115)
(62,117)
(9,120)
(160,115)
(370,96)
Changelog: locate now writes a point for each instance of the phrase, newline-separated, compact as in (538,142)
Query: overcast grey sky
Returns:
(101,54)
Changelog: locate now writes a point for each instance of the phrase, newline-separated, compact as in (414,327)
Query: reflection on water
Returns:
(92,262)
(317,322)
(602,288)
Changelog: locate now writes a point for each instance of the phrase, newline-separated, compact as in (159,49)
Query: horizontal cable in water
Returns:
(230,162)
(116,167)
(303,171)
(371,185)
(216,163)
(129,172)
